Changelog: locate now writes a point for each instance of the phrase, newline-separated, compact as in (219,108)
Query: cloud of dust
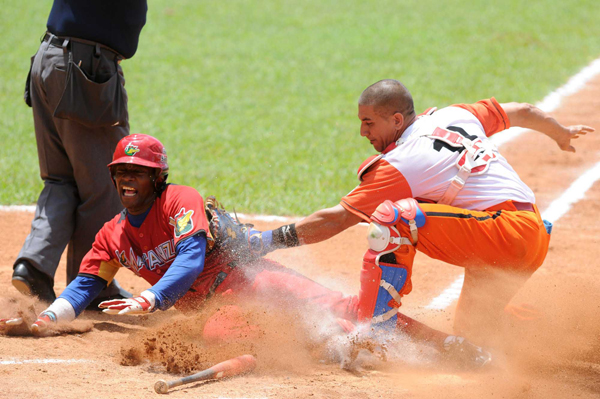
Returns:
(562,332)
(28,308)
(285,334)
(547,343)
(279,343)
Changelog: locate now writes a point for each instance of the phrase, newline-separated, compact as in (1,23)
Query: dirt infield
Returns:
(555,356)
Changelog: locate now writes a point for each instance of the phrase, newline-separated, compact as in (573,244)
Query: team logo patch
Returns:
(182,222)
(131,149)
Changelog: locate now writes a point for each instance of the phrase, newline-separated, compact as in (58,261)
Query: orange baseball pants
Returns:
(499,248)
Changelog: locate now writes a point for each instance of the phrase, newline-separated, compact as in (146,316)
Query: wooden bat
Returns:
(229,368)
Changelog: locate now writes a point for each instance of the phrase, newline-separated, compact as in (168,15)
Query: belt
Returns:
(63,41)
(55,40)
(511,206)
(524,206)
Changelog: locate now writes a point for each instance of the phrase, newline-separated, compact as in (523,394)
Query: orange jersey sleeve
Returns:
(490,114)
(381,182)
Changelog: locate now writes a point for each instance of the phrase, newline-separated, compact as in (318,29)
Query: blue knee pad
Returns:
(548,226)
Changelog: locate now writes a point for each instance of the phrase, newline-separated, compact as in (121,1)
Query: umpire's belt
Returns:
(63,41)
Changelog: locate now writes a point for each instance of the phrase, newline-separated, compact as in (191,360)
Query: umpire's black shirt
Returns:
(114,23)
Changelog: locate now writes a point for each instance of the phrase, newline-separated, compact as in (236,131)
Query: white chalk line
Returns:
(43,361)
(17,208)
(561,205)
(553,100)
(242,216)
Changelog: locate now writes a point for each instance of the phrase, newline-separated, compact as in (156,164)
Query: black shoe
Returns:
(30,281)
(464,354)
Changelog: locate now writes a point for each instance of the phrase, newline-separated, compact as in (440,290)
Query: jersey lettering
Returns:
(165,251)
(157,257)
(438,144)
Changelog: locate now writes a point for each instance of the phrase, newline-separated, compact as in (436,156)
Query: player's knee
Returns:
(405,211)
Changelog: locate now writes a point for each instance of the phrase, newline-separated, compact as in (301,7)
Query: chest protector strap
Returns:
(474,159)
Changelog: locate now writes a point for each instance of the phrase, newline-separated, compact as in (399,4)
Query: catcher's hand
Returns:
(230,236)
(563,139)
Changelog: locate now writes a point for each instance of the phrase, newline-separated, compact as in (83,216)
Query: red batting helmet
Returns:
(144,150)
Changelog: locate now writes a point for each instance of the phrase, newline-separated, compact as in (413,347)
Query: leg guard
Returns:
(385,275)
(382,283)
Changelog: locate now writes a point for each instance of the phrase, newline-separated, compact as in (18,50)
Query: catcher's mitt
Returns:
(228,236)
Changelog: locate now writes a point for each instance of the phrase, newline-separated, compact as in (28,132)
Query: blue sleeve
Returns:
(82,291)
(185,269)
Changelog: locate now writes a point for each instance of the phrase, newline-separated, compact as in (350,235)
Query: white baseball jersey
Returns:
(422,167)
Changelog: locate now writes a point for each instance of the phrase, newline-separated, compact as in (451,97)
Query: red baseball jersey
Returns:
(149,250)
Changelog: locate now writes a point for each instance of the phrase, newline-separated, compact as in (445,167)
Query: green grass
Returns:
(256,100)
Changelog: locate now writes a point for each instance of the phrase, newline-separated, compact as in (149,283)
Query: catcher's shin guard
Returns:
(385,275)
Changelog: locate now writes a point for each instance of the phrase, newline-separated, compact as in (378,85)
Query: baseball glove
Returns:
(228,236)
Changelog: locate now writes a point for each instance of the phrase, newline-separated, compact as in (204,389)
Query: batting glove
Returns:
(138,305)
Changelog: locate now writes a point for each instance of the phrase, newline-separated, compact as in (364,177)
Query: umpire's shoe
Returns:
(30,281)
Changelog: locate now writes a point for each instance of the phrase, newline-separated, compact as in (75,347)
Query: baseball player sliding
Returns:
(441,187)
(188,250)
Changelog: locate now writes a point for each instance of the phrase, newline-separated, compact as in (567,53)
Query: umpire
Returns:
(76,90)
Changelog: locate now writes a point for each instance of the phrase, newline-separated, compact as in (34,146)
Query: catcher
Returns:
(438,186)
(189,250)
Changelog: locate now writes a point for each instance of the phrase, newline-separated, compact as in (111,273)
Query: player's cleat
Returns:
(30,281)
(464,354)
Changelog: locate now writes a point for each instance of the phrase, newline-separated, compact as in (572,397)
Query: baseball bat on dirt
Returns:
(229,368)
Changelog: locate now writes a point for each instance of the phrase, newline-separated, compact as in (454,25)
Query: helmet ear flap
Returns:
(112,176)
(160,182)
